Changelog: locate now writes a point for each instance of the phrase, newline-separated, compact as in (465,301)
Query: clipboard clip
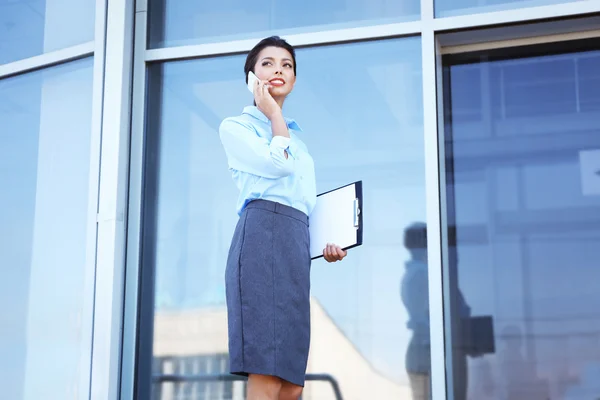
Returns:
(356,213)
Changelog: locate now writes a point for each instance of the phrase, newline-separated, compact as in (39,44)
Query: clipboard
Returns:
(337,218)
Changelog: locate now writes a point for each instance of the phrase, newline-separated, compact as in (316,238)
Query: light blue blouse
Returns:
(258,165)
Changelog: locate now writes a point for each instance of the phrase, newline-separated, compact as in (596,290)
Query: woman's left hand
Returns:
(333,253)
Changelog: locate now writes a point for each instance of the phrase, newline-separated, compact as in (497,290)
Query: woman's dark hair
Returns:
(273,41)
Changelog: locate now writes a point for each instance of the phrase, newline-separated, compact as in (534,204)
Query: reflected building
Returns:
(194,342)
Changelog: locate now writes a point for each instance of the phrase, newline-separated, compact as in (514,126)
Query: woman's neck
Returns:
(279,100)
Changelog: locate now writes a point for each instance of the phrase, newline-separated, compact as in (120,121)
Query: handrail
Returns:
(237,378)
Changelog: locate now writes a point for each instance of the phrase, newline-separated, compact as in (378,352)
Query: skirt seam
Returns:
(273,235)
(240,288)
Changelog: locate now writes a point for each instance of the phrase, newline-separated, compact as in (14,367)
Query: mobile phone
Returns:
(251,81)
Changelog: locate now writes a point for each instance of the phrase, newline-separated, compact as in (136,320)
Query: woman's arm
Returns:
(248,152)
(268,106)
(280,131)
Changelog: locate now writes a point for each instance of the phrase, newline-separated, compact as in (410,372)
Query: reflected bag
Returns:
(478,335)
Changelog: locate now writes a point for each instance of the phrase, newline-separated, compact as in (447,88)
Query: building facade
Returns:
(473,124)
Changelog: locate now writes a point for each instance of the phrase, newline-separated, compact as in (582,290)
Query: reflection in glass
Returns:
(45,328)
(523,197)
(447,8)
(362,119)
(184,22)
(32,27)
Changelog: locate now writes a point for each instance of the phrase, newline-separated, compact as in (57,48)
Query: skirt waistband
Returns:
(278,208)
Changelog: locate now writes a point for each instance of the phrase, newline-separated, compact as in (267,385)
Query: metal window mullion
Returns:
(298,40)
(427,12)
(540,37)
(94,176)
(517,15)
(112,200)
(48,59)
(132,288)
(142,6)
(431,64)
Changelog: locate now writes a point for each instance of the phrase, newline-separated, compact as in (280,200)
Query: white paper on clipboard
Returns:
(337,219)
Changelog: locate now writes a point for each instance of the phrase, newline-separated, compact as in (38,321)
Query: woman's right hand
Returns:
(264,101)
(333,253)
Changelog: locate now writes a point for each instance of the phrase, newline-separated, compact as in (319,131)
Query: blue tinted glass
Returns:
(362,119)
(183,22)
(446,8)
(33,27)
(523,162)
(46,284)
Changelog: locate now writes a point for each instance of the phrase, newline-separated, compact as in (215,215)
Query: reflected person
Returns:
(267,278)
(415,296)
(414,292)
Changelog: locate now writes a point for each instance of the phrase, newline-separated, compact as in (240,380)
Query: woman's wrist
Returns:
(276,116)
(279,126)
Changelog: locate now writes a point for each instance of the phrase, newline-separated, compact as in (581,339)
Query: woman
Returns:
(268,267)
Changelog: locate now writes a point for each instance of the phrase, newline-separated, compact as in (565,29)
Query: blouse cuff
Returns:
(280,143)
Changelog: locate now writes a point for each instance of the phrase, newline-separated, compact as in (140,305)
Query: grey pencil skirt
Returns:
(267,282)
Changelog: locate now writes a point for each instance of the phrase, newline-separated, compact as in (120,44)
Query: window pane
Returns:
(370,312)
(447,8)
(183,22)
(44,175)
(524,213)
(33,27)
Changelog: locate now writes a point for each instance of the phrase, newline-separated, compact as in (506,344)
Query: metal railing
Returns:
(173,378)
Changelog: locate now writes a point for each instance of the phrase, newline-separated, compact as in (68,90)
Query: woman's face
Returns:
(275,65)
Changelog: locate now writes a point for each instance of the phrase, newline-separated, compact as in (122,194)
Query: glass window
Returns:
(362,119)
(45,320)
(447,8)
(33,27)
(524,213)
(184,22)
